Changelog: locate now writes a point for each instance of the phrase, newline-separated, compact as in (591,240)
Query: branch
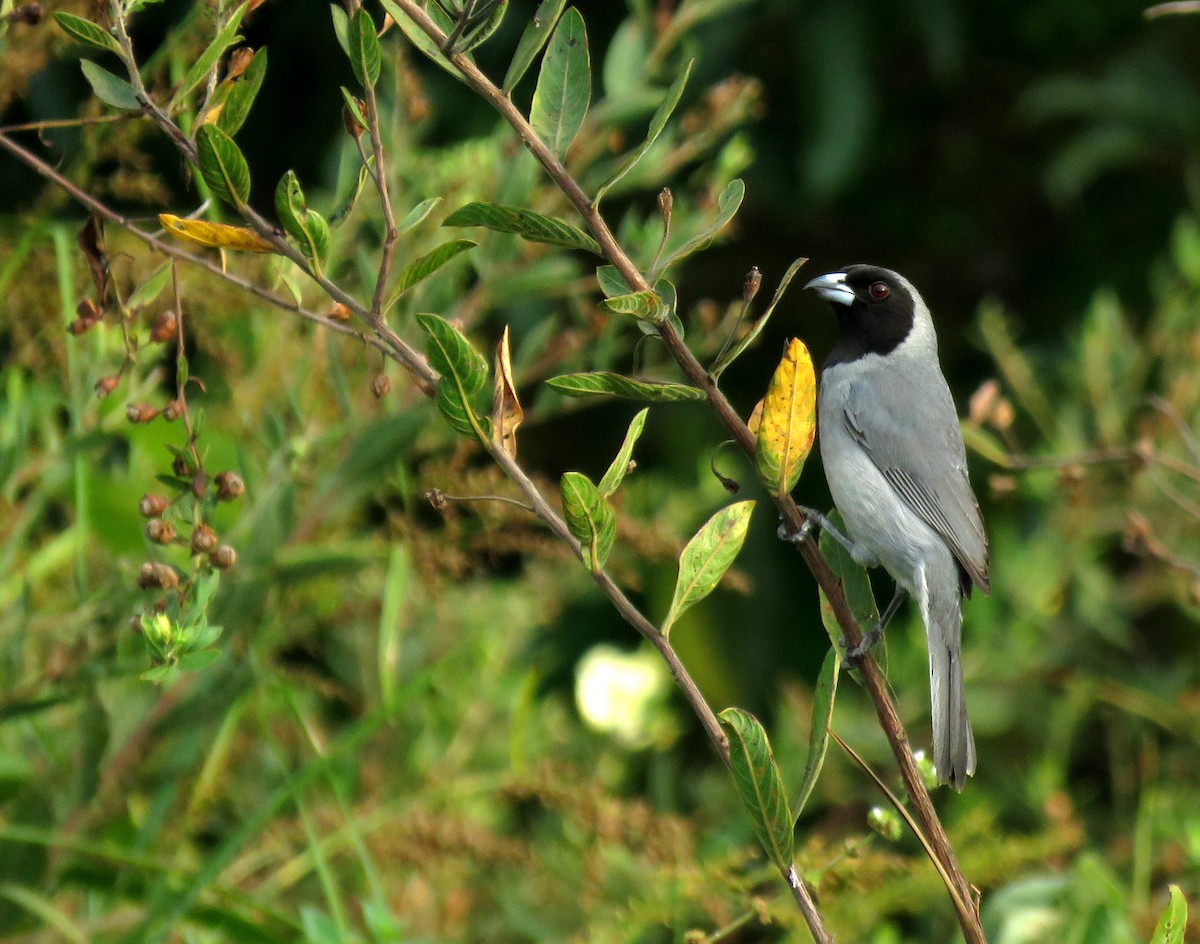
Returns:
(873,681)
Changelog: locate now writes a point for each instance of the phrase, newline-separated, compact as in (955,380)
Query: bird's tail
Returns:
(953,743)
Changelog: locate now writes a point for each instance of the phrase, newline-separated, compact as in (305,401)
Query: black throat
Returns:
(870,329)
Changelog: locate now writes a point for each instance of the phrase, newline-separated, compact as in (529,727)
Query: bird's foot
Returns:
(854,656)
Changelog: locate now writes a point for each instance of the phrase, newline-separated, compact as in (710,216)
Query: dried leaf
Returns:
(215,235)
(507,414)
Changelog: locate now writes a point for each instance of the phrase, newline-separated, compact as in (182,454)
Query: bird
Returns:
(896,465)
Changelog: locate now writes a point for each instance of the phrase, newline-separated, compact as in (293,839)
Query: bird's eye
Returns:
(880,290)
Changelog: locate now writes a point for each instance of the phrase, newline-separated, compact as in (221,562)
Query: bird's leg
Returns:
(813,517)
(854,656)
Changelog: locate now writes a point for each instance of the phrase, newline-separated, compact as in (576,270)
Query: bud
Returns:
(204,539)
(140,412)
(750,286)
(229,486)
(156,576)
(665,204)
(380,386)
(106,385)
(199,485)
(339,312)
(159,531)
(437,498)
(164,327)
(886,823)
(152,506)
(172,411)
(239,61)
(181,467)
(983,403)
(1003,415)
(223,557)
(88,310)
(354,127)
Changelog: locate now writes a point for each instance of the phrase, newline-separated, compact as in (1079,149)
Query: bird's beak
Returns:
(832,287)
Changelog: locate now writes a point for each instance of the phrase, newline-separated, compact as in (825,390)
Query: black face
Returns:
(879,318)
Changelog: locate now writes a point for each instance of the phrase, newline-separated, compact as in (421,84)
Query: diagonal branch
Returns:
(873,681)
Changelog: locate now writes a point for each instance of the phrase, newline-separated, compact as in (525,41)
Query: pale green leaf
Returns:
(620,465)
(426,265)
(856,585)
(419,38)
(109,88)
(417,214)
(589,517)
(87,32)
(364,49)
(463,375)
(198,73)
(150,288)
(728,203)
(818,731)
(734,352)
(707,556)
(239,99)
(222,165)
(759,785)
(537,31)
(535,227)
(603,383)
(1173,922)
(564,88)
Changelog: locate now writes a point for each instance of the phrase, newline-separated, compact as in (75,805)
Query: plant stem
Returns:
(885,707)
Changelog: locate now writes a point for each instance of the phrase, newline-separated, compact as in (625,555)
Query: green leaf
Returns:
(855,583)
(464,373)
(590,518)
(222,165)
(417,214)
(201,68)
(108,88)
(604,383)
(419,38)
(645,306)
(364,49)
(524,223)
(354,107)
(482,30)
(348,202)
(564,88)
(150,288)
(612,282)
(620,465)
(818,731)
(242,93)
(315,244)
(1173,923)
(707,556)
(88,33)
(727,205)
(341,27)
(657,123)
(426,265)
(733,353)
(532,40)
(290,205)
(760,785)
(198,660)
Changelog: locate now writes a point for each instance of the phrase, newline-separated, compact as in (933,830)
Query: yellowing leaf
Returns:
(214,235)
(789,420)
(507,413)
(755,419)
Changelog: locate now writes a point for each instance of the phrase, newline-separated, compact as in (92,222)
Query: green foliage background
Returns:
(389,747)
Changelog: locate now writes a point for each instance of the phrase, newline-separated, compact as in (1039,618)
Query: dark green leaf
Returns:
(620,465)
(707,556)
(1173,923)
(727,205)
(108,88)
(464,373)
(426,265)
(201,68)
(525,223)
(240,97)
(222,165)
(657,124)
(532,40)
(855,582)
(364,49)
(759,784)
(87,32)
(818,732)
(590,518)
(480,31)
(603,383)
(564,89)
(341,27)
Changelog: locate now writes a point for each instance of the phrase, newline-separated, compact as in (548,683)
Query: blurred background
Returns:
(429,725)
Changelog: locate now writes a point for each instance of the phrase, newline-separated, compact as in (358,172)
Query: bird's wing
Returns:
(925,462)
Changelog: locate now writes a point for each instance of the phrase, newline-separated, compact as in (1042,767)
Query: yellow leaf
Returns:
(214,235)
(789,420)
(507,413)
(755,419)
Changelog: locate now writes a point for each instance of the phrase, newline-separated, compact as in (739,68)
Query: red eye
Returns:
(880,290)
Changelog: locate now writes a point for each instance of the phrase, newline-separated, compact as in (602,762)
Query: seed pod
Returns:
(204,539)
(140,412)
(229,486)
(88,310)
(106,385)
(81,325)
(152,506)
(666,203)
(339,312)
(181,467)
(156,576)
(159,531)
(380,386)
(172,411)
(239,61)
(164,327)
(199,485)
(223,557)
(751,284)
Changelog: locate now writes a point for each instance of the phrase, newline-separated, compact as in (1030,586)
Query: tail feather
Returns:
(953,742)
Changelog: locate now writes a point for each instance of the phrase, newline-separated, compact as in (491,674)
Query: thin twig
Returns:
(381,184)
(873,680)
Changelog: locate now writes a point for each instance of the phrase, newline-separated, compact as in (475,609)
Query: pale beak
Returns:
(832,287)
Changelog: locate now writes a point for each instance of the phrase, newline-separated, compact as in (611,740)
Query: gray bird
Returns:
(894,459)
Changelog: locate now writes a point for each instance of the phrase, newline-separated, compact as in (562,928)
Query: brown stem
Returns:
(808,907)
(968,913)
(385,198)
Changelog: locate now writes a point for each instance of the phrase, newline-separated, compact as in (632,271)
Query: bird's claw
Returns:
(854,656)
(799,536)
